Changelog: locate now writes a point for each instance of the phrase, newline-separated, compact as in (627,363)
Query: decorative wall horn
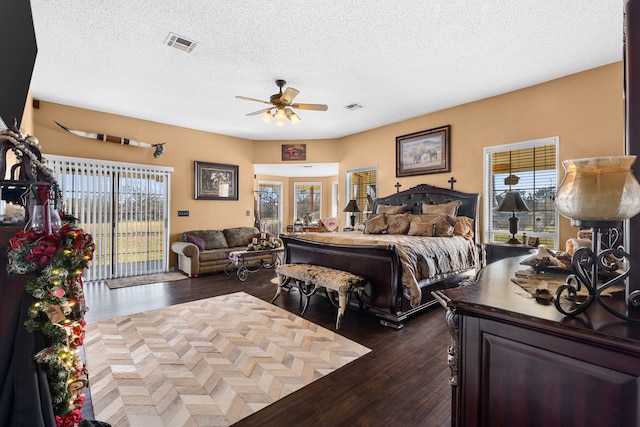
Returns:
(159,148)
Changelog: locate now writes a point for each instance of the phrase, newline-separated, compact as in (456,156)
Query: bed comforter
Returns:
(422,258)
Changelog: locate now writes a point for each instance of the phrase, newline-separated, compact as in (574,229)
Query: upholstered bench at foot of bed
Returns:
(310,278)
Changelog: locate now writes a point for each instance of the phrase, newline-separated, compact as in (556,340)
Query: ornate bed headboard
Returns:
(414,197)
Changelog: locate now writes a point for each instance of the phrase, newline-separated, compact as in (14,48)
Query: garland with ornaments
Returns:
(53,264)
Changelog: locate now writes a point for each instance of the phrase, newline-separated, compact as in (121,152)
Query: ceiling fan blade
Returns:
(252,99)
(255,113)
(317,107)
(289,94)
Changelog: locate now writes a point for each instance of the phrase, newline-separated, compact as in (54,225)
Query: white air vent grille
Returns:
(353,106)
(180,42)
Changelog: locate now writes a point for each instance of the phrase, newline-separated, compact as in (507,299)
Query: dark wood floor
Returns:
(401,382)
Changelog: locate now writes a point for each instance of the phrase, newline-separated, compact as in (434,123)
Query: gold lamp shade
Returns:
(599,189)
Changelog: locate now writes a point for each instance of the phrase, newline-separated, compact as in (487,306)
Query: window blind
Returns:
(363,187)
(125,207)
(529,168)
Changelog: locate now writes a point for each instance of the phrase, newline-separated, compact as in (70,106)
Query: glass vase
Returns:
(599,189)
(43,217)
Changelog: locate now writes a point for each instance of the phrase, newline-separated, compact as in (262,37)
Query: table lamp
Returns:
(513,203)
(352,207)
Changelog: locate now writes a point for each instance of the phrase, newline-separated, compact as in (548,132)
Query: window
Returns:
(307,201)
(362,184)
(270,206)
(334,199)
(124,206)
(529,168)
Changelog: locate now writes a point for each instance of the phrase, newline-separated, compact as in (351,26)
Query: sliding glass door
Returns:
(125,207)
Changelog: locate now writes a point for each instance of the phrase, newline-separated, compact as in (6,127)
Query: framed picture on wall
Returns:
(216,181)
(294,152)
(423,152)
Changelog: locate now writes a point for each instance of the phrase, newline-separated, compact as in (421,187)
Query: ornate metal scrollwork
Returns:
(597,272)
(453,323)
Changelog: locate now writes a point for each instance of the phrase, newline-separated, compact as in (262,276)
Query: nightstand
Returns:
(495,251)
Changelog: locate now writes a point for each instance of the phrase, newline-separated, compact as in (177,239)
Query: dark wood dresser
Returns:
(515,362)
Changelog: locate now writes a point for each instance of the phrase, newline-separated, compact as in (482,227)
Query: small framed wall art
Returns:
(216,181)
(294,152)
(423,152)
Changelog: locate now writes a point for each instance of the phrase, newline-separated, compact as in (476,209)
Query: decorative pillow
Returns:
(239,236)
(463,227)
(391,209)
(198,241)
(431,226)
(214,239)
(450,208)
(377,224)
(398,223)
(329,224)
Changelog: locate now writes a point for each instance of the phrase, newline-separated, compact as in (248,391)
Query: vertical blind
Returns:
(529,168)
(125,207)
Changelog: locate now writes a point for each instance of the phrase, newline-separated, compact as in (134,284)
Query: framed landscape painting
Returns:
(216,181)
(423,152)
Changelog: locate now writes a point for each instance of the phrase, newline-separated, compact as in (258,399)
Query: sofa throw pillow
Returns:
(198,241)
(450,208)
(391,209)
(430,226)
(377,224)
(240,236)
(398,223)
(213,239)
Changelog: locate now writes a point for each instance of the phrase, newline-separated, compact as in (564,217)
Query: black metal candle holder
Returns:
(592,266)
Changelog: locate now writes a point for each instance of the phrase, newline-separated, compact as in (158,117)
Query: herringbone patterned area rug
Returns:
(205,363)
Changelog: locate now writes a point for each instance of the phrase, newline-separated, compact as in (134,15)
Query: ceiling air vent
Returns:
(180,42)
(353,106)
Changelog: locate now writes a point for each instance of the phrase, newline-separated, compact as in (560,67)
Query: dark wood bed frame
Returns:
(384,294)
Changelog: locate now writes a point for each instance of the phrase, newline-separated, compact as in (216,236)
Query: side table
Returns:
(239,264)
(495,251)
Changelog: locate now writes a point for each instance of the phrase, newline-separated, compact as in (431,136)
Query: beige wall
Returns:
(183,147)
(585,110)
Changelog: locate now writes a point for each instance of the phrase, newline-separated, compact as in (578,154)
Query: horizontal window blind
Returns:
(125,207)
(529,168)
(363,187)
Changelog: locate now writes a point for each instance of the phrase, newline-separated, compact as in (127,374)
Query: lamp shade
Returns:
(352,206)
(266,117)
(599,189)
(513,202)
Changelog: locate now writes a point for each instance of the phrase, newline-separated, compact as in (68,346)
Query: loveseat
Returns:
(207,251)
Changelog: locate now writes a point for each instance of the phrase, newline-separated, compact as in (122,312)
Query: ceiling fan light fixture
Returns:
(266,117)
(280,115)
(281,106)
(293,117)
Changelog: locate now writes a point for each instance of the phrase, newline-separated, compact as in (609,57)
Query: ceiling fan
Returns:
(281,106)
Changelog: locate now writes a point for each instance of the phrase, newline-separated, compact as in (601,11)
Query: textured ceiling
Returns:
(398,59)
